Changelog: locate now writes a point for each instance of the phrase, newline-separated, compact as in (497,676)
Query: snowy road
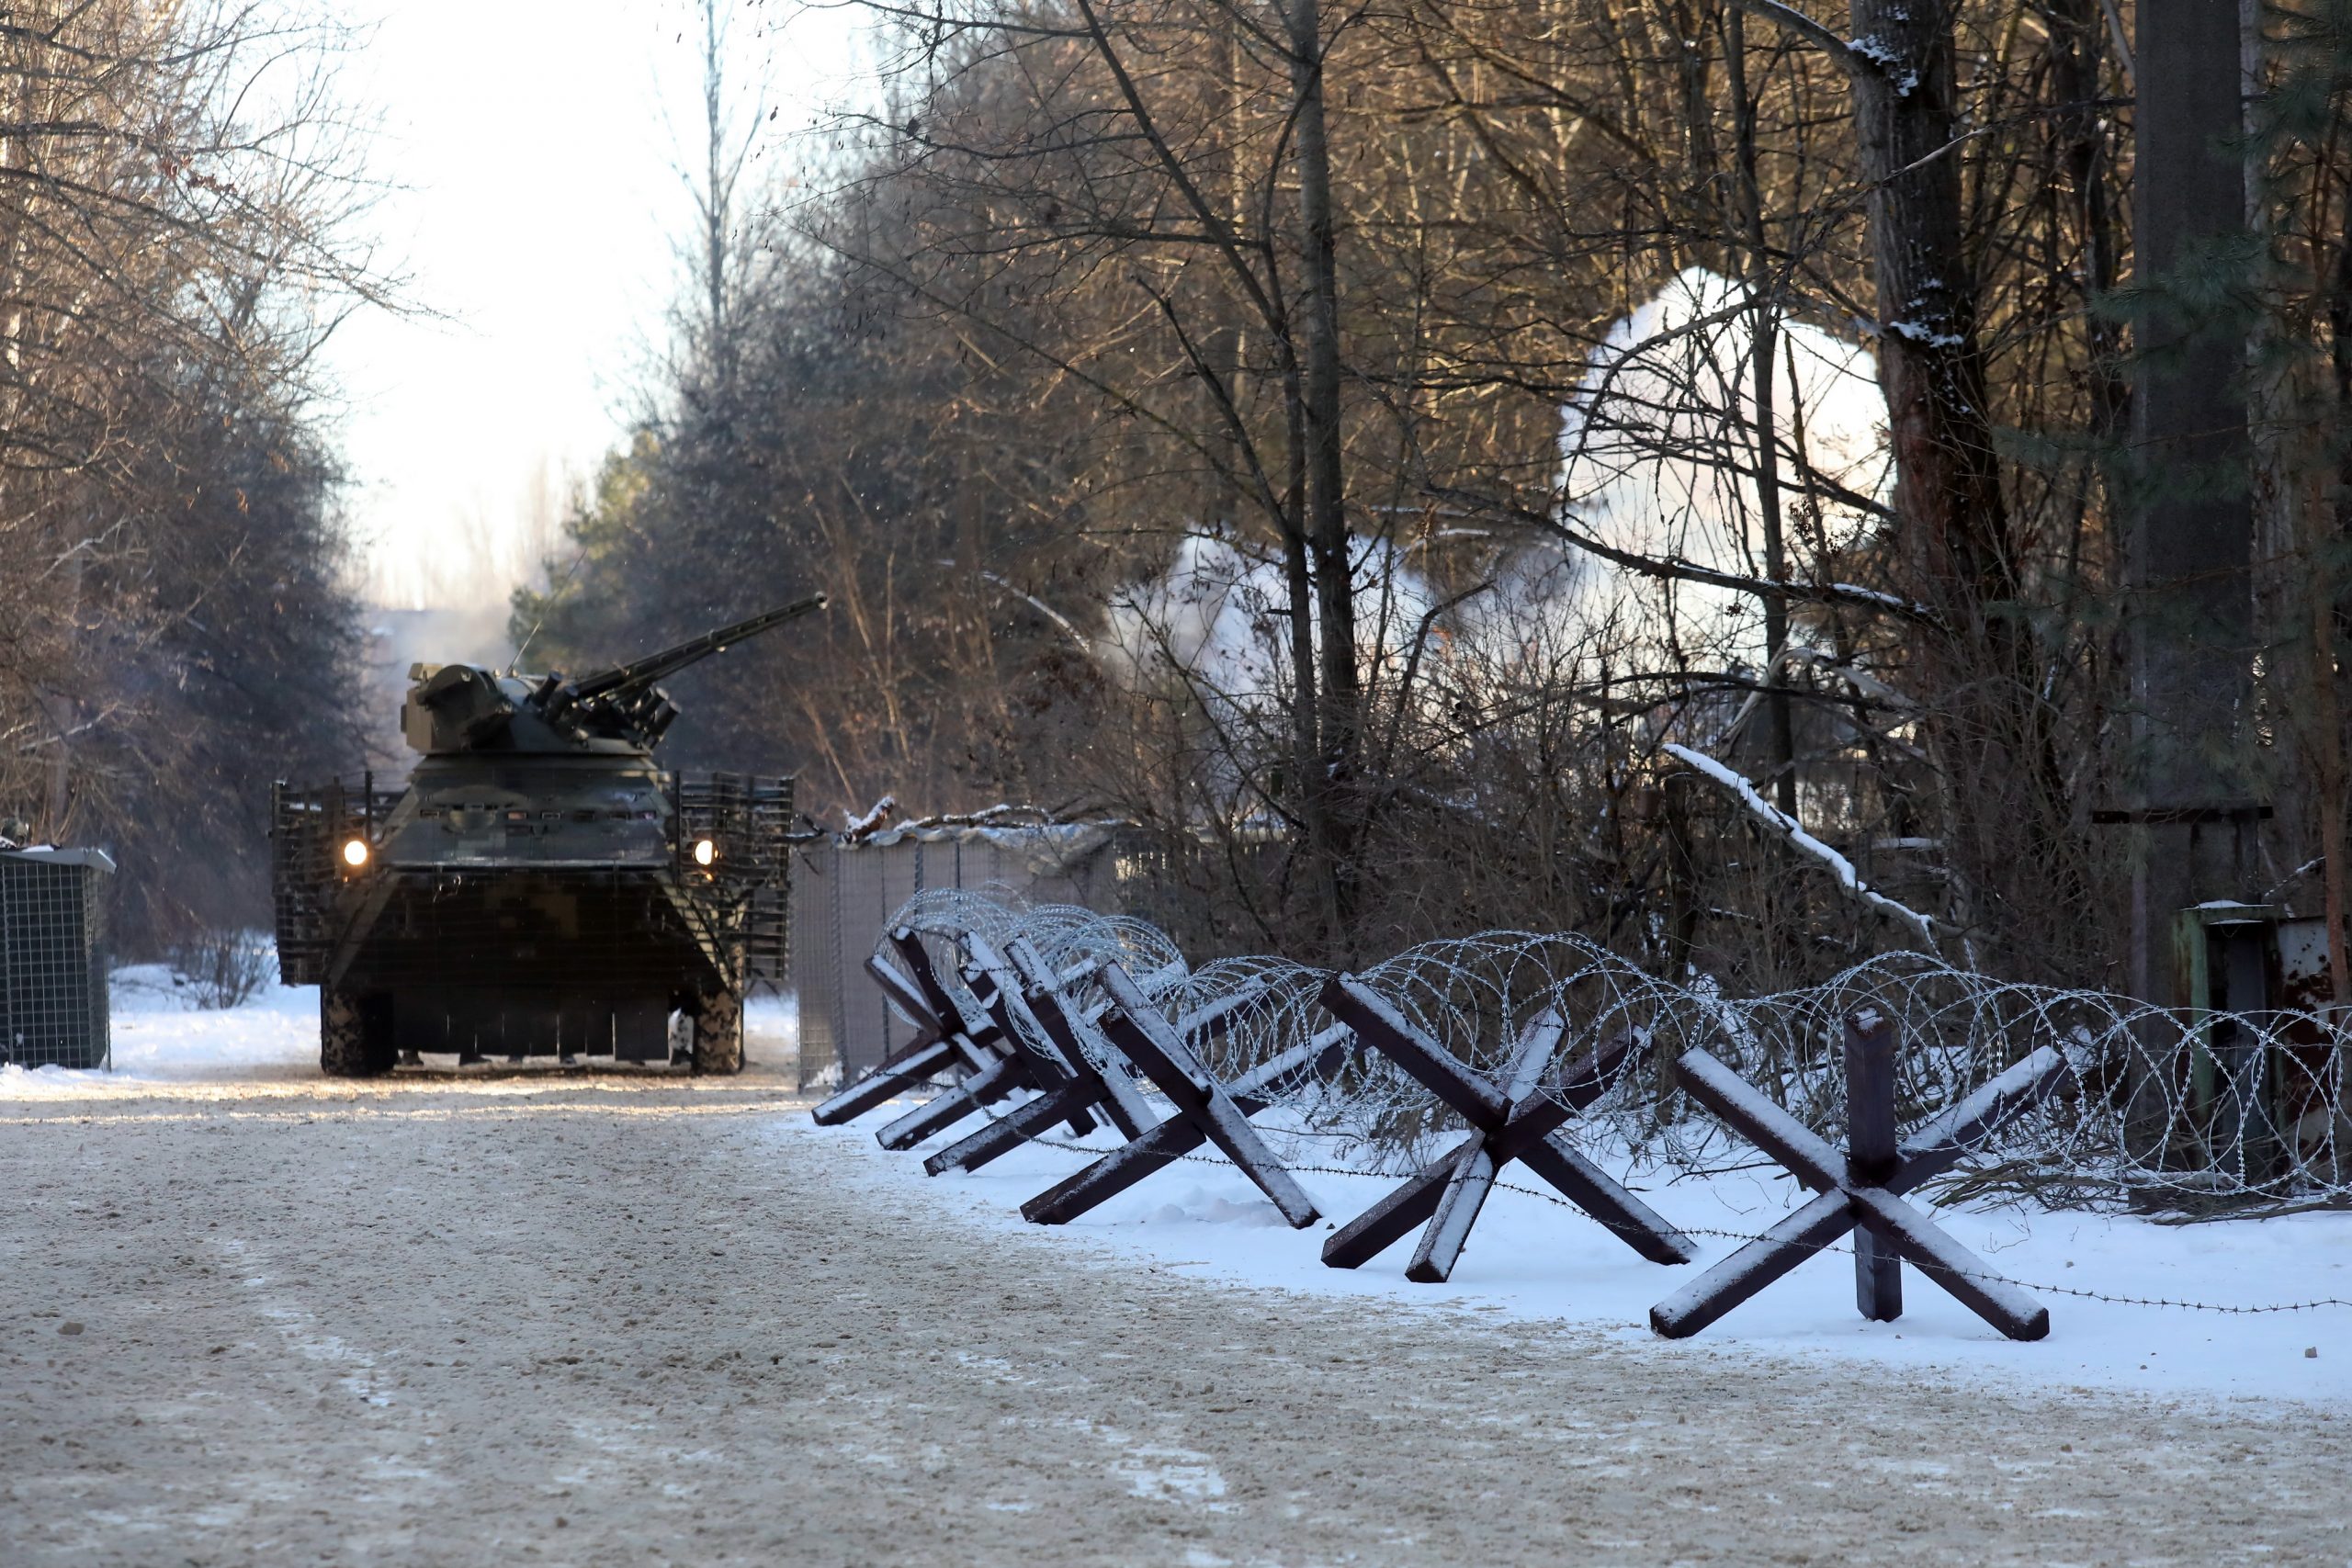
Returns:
(596,1320)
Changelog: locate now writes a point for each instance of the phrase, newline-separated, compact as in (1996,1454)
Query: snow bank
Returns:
(1528,1259)
(1531,1258)
(162,1036)
(161,1039)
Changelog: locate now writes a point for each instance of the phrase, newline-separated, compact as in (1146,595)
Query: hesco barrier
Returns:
(52,958)
(845,891)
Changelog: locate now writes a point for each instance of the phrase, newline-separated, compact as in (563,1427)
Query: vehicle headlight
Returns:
(355,852)
(705,851)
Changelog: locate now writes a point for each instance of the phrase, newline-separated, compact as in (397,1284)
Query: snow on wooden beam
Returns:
(924,1060)
(1086,1074)
(997,1070)
(1319,1057)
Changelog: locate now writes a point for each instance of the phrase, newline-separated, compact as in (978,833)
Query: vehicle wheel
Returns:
(355,1035)
(719,1032)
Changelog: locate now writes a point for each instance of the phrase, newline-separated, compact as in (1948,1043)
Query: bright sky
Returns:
(539,142)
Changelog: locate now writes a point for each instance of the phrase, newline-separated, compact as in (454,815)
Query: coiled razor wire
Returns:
(1065,935)
(2167,1108)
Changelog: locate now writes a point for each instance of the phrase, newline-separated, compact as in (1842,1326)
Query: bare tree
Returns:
(177,191)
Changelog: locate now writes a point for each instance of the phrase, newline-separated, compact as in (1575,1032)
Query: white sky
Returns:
(538,141)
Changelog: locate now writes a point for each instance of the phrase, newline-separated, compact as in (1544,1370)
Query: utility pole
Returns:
(2189,540)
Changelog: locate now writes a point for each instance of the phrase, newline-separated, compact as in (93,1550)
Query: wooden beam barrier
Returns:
(964,1036)
(1860,1190)
(996,1069)
(1094,1066)
(1162,1054)
(925,1059)
(1038,1059)
(1092,1076)
(1179,1136)
(1520,1121)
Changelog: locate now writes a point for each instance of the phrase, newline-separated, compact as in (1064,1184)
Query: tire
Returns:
(355,1035)
(719,1032)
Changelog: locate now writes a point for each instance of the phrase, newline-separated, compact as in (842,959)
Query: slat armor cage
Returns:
(748,817)
(306,824)
(52,958)
(741,902)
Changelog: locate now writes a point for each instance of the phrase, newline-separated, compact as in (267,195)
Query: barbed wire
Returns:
(2166,1106)
(2319,1303)
(1743,1237)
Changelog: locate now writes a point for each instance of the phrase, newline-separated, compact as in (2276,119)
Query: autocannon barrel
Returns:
(643,672)
(624,703)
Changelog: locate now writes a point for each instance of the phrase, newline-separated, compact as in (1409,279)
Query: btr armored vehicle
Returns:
(540,887)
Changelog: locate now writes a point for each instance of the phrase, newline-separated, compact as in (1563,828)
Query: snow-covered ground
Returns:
(163,1038)
(1528,1259)
(1531,1259)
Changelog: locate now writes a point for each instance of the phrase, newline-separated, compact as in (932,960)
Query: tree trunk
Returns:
(1764,352)
(1948,489)
(1326,524)
(1981,678)
(717,197)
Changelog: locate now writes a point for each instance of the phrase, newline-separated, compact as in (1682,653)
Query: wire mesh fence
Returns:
(846,893)
(52,967)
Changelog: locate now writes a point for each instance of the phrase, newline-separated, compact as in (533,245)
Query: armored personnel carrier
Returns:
(540,886)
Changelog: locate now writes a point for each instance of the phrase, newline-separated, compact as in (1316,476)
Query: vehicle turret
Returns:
(464,707)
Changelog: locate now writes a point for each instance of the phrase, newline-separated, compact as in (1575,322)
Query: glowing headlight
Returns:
(705,851)
(355,852)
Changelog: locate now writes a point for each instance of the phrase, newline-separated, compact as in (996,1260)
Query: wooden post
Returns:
(978,1023)
(1474,1172)
(1091,1075)
(930,1055)
(1040,1057)
(1871,1157)
(918,1064)
(996,1071)
(1162,1054)
(1091,1057)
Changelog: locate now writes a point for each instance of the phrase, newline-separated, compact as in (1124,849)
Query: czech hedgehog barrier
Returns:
(1452,1060)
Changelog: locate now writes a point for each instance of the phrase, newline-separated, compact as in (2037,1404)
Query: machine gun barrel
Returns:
(641,674)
